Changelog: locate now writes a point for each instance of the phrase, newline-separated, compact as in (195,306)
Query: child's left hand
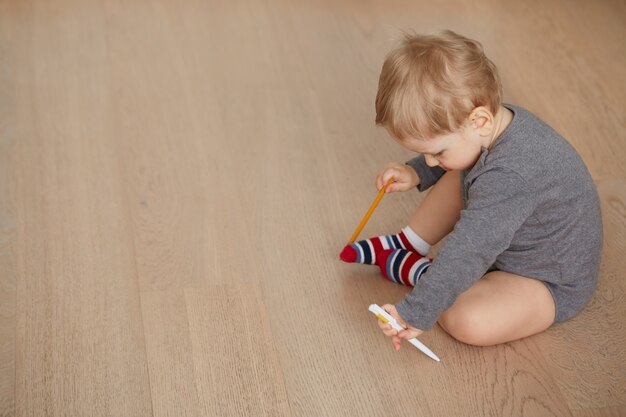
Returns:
(396,337)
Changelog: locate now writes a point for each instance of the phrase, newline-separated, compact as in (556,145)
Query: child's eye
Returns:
(438,153)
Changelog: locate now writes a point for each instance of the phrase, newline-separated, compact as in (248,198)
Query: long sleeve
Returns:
(499,202)
(428,175)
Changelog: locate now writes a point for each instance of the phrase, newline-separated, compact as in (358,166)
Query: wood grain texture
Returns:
(238,371)
(79,336)
(602,412)
(170,355)
(7,213)
(178,178)
(175,129)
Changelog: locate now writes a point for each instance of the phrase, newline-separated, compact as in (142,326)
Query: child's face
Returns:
(453,151)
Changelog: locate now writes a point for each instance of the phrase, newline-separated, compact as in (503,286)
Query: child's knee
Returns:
(466,326)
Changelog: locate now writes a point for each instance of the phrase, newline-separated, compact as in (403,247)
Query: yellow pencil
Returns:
(379,197)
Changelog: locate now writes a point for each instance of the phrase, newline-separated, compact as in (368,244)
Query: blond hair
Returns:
(429,85)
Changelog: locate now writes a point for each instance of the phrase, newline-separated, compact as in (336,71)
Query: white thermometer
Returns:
(384,316)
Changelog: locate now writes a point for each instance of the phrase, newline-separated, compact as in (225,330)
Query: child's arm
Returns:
(415,173)
(428,175)
(499,202)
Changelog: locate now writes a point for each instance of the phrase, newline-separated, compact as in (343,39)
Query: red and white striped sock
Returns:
(366,251)
(402,266)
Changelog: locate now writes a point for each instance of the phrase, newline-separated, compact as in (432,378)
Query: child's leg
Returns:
(432,220)
(500,307)
(440,210)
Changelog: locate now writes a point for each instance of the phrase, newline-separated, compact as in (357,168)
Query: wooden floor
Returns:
(177,179)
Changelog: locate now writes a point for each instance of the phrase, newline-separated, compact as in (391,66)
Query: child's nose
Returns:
(431,161)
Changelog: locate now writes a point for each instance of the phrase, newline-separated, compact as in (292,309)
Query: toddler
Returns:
(520,208)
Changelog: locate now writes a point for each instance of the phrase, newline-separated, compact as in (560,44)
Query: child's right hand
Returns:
(405,178)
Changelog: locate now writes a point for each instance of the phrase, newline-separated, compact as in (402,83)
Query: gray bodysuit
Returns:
(530,207)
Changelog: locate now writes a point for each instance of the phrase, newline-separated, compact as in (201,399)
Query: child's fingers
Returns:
(391,309)
(393,187)
(401,321)
(408,334)
(396,342)
(379,182)
(404,335)
(389,331)
(393,171)
(383,325)
(386,328)
(391,174)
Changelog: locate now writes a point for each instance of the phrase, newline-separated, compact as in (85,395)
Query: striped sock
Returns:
(402,266)
(365,251)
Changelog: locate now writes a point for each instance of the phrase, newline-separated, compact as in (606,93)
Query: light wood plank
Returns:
(237,369)
(79,338)
(157,142)
(619,411)
(176,146)
(170,355)
(7,211)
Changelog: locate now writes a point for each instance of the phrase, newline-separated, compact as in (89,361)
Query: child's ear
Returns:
(481,120)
